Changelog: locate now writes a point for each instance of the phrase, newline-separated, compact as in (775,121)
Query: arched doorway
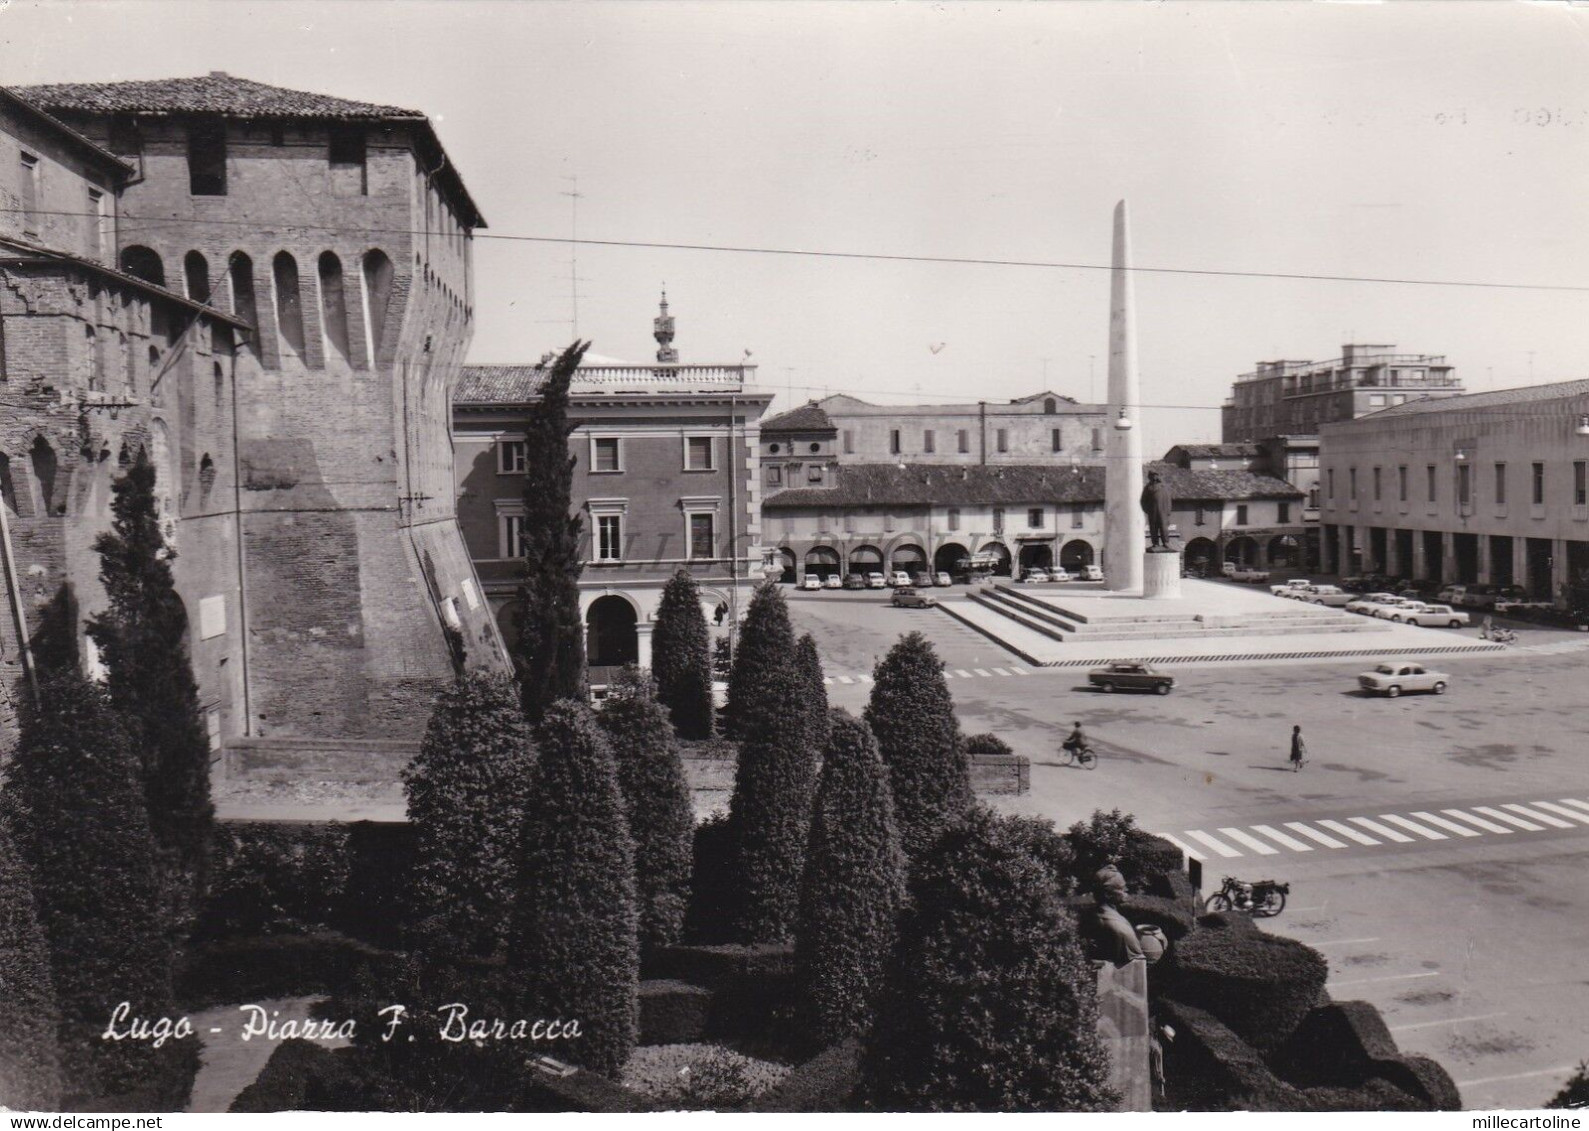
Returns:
(908,557)
(1285,551)
(823,562)
(1242,550)
(1201,556)
(865,560)
(787,557)
(610,637)
(948,556)
(1076,554)
(1036,555)
(1001,555)
(508,622)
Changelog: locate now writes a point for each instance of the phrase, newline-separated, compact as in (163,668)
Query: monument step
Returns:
(1053,628)
(996,600)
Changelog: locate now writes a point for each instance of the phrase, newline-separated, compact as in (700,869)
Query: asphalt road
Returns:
(1433,844)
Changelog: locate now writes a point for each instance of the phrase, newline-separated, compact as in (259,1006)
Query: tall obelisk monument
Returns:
(1122,493)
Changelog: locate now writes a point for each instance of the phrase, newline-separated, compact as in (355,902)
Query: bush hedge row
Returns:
(1261,986)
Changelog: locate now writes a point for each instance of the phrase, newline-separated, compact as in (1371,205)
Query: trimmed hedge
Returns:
(673,1012)
(753,987)
(270,966)
(1261,986)
(30,1055)
(809,661)
(1044,844)
(713,883)
(284,1083)
(1152,910)
(825,1083)
(853,888)
(1575,1092)
(1114,837)
(989,1003)
(988,744)
(1207,1067)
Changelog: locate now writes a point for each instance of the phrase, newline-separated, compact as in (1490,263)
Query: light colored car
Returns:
(1399,609)
(874,580)
(1248,574)
(897,578)
(1060,573)
(834,581)
(1290,588)
(1395,676)
(1440,616)
(1368,602)
(1467,596)
(942,579)
(1092,573)
(1332,596)
(1035,577)
(811,581)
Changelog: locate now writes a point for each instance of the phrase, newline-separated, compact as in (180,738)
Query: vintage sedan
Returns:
(1035,577)
(874,580)
(1332,596)
(834,581)
(811,581)
(1399,609)
(1438,615)
(942,578)
(855,581)
(1369,602)
(906,597)
(1129,675)
(1092,573)
(1395,676)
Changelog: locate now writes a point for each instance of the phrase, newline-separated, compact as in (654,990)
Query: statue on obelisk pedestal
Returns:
(1156,505)
(1122,547)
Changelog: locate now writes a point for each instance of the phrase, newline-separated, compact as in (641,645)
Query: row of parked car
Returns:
(1042,576)
(876,580)
(1504,599)
(1403,608)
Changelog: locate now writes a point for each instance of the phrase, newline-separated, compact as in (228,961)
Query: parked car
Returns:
(906,597)
(1227,568)
(1514,599)
(1438,616)
(1332,596)
(921,579)
(1393,677)
(1467,596)
(942,579)
(1060,573)
(1035,577)
(811,581)
(1130,675)
(1290,588)
(897,578)
(1368,602)
(1091,573)
(874,580)
(1398,609)
(1248,574)
(855,581)
(833,581)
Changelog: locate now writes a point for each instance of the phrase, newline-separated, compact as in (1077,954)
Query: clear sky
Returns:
(1410,140)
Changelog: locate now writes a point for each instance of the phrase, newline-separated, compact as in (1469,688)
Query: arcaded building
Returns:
(306,266)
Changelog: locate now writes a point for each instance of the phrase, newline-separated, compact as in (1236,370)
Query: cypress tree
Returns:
(989,1003)
(77,812)
(681,657)
(853,888)
(657,797)
(575,928)
(550,651)
(810,662)
(467,789)
(142,640)
(770,810)
(30,1068)
(912,715)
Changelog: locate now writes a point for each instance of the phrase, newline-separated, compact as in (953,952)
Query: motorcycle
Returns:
(1498,635)
(1259,898)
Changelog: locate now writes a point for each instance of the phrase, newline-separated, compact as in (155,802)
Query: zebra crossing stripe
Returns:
(1422,830)
(1251,842)
(983,674)
(845,679)
(1528,826)
(1562,809)
(1487,826)
(1576,804)
(866,679)
(1376,827)
(1314,834)
(962,673)
(1000,671)
(1218,846)
(1348,831)
(1525,811)
(827,681)
(1449,826)
(1019,671)
(1279,837)
(1186,848)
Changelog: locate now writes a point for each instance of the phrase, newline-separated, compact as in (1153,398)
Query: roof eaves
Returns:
(37,251)
(97,152)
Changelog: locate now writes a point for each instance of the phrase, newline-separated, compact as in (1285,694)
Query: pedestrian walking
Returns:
(1299,749)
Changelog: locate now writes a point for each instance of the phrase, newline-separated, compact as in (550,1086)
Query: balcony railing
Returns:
(661,378)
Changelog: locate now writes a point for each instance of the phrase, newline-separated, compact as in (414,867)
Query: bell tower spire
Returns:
(662,330)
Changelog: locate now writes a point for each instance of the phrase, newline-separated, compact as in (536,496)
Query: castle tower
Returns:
(341,233)
(662,330)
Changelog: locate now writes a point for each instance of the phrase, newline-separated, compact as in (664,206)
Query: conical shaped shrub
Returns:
(912,715)
(989,1003)
(30,1058)
(681,658)
(853,888)
(661,813)
(575,930)
(763,654)
(467,789)
(810,661)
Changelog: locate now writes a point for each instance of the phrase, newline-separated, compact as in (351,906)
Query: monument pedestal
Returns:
(1161,575)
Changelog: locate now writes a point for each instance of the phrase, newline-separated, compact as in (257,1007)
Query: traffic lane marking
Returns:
(1450,826)
(1422,830)
(1526,826)
(1563,810)
(1446,1021)
(1525,811)
(1381,830)
(1517,1076)
(1290,842)
(1218,846)
(1314,834)
(1348,832)
(1251,842)
(1386,978)
(1487,826)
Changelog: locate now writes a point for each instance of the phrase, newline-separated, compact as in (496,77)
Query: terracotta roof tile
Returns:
(1530,394)
(214,93)
(809,417)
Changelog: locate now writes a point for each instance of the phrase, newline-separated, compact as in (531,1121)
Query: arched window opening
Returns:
(44,468)
(196,271)
(289,310)
(243,304)
(1050,406)
(333,306)
(96,376)
(8,487)
(377,290)
(144,263)
(206,476)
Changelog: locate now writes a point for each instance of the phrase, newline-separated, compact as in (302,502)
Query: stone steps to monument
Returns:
(1034,646)
(1027,612)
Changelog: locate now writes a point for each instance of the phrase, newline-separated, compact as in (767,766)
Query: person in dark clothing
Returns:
(1299,749)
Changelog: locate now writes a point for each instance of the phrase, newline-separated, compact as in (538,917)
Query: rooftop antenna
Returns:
(573,248)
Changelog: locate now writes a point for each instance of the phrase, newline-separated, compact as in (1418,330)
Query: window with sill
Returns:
(1283,514)
(952,518)
(1500,484)
(1401,484)
(1580,483)
(1241,514)
(698,453)
(702,541)
(1034,518)
(1003,438)
(510,457)
(814,474)
(609,538)
(1055,441)
(929,441)
(1538,496)
(30,194)
(963,441)
(606,454)
(998,520)
(1433,477)
(775,477)
(893,441)
(347,159)
(510,536)
(207,159)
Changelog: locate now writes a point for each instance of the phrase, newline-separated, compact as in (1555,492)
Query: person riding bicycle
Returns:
(1077,740)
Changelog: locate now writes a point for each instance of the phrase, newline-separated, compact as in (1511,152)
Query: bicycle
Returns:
(1084,756)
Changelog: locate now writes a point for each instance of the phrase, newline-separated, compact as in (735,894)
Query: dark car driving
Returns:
(1129,675)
